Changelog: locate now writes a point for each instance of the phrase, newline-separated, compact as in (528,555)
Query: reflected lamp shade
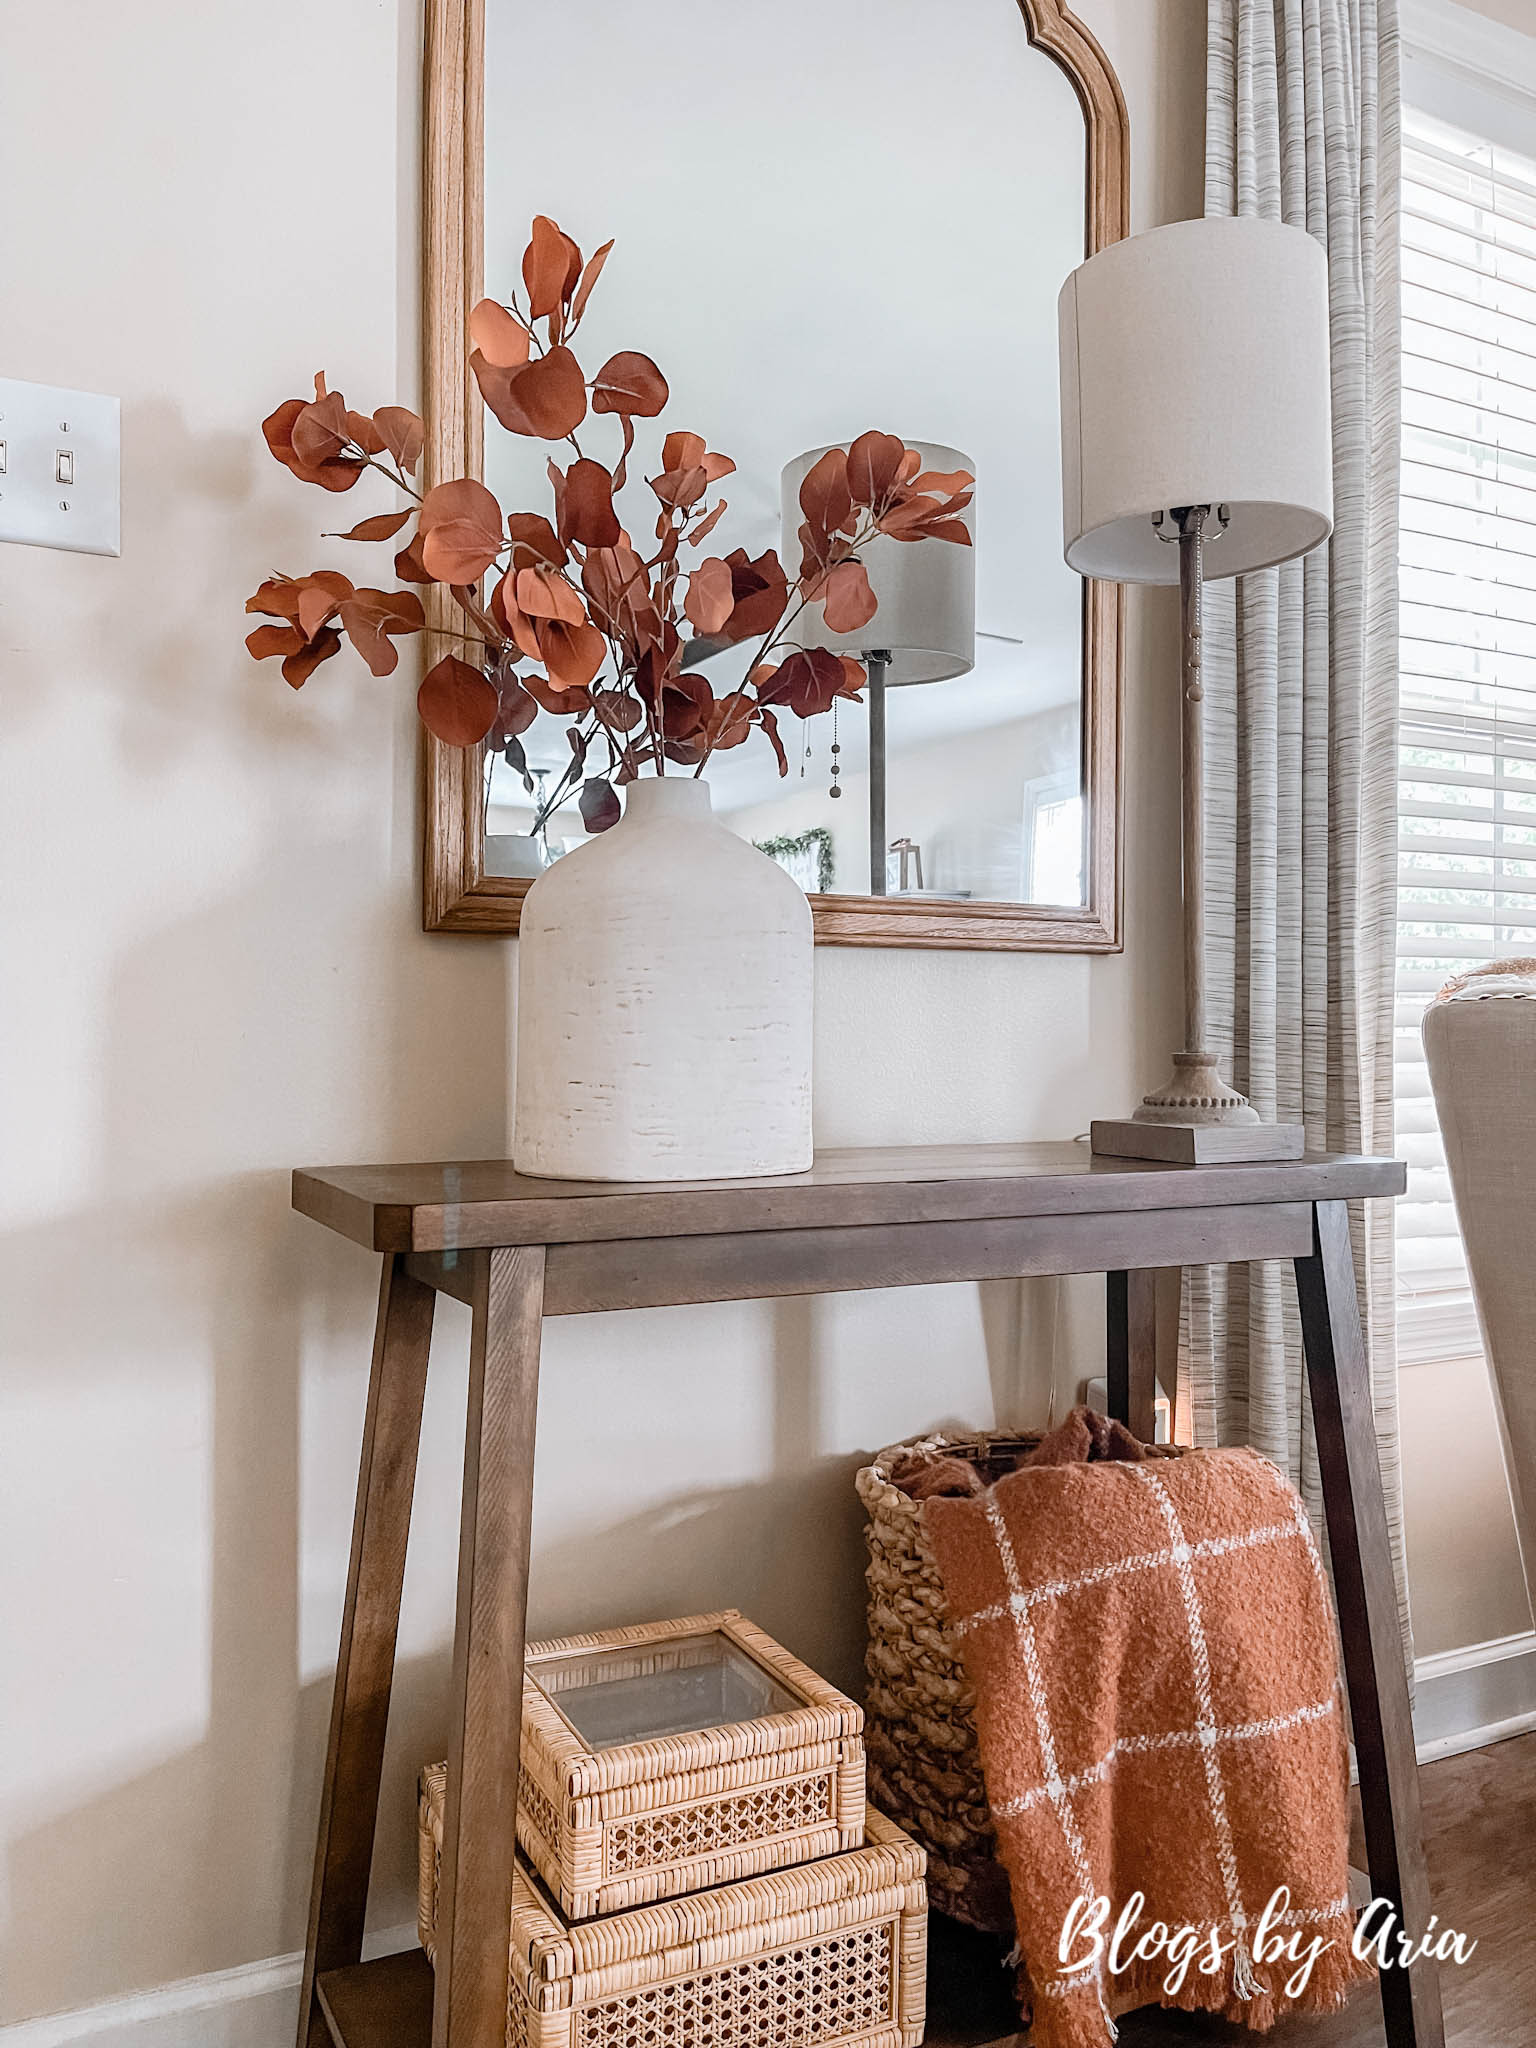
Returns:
(925,590)
(1195,371)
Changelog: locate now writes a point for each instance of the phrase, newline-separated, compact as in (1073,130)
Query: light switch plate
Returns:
(48,436)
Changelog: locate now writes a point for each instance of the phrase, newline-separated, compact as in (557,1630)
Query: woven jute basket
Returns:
(924,1768)
(922,1760)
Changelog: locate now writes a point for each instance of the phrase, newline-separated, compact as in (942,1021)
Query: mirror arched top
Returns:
(460,895)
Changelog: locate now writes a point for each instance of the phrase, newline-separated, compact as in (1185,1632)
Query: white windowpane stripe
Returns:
(1467,765)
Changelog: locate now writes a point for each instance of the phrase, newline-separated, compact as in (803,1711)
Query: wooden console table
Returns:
(518,1250)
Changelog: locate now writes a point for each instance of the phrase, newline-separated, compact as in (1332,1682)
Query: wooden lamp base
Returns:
(1197,1119)
(1196,1144)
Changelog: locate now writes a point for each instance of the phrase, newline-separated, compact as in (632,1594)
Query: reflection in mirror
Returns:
(838,215)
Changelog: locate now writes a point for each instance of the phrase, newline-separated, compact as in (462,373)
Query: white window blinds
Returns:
(1467,787)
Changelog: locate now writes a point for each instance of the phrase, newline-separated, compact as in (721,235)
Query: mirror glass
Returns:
(828,216)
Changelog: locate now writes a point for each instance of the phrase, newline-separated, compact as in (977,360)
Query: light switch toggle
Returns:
(64,466)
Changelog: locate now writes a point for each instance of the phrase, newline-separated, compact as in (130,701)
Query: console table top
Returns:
(461,1204)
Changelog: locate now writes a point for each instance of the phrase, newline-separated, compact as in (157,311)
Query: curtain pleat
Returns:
(1301,719)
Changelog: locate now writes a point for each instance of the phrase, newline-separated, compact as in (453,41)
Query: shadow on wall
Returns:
(159,1345)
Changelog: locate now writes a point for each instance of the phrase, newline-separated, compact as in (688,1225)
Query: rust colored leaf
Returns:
(680,488)
(589,278)
(848,600)
(686,702)
(551,267)
(408,563)
(499,335)
(544,400)
(954,530)
(944,483)
(906,520)
(825,498)
(587,513)
(706,525)
(682,451)
(302,654)
(617,709)
(456,702)
(710,599)
(512,620)
(760,592)
(545,594)
(333,473)
(516,711)
(554,697)
(807,682)
(874,468)
(770,725)
(300,666)
(460,531)
(681,456)
(404,434)
(318,597)
(533,540)
(572,654)
(629,383)
(599,805)
(320,430)
(278,598)
(369,617)
(854,676)
(621,467)
(729,722)
(362,431)
(383,526)
(270,640)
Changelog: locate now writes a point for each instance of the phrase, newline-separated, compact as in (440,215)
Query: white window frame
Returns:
(1479,75)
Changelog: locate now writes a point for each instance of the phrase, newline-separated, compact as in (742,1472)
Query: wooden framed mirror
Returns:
(874,224)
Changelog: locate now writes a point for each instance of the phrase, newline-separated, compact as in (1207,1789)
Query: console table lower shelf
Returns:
(518,1250)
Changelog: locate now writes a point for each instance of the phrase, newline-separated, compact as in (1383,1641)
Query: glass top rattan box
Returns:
(679,1755)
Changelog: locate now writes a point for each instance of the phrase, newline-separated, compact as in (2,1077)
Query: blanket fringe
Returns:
(1078,2018)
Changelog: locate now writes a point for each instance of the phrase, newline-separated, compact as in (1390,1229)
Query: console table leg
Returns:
(1366,1589)
(365,1660)
(474,1915)
(1130,1302)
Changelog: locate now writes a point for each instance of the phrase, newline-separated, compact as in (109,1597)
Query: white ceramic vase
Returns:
(664,981)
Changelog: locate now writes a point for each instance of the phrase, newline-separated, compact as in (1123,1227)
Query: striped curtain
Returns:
(1301,717)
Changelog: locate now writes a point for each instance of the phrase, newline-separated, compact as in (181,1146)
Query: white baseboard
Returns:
(1467,1699)
(255,2006)
(1471,1697)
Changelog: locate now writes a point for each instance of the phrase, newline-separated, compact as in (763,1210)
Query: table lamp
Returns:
(1196,442)
(925,622)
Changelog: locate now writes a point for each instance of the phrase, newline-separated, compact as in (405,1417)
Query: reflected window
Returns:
(1053,841)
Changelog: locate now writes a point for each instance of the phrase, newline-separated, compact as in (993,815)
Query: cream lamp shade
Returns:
(1195,371)
(926,591)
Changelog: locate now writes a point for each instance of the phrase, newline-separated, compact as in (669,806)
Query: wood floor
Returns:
(1480,1820)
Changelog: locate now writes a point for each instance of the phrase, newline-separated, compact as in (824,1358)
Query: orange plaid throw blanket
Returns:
(1159,1713)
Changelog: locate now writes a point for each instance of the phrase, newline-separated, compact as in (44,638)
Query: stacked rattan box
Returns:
(725,1884)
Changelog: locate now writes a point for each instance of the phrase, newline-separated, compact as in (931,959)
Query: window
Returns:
(1053,840)
(1467,776)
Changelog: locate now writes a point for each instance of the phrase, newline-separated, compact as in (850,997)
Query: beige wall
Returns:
(214,971)
(1513,13)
